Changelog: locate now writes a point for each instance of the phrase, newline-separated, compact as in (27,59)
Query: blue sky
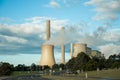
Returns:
(22,27)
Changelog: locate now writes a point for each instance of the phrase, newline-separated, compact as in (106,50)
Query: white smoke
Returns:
(63,37)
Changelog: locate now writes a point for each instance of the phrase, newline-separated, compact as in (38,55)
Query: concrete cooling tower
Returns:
(47,57)
(78,48)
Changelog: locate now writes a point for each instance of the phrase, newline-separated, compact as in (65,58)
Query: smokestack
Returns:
(63,53)
(47,30)
(71,50)
(63,46)
(47,56)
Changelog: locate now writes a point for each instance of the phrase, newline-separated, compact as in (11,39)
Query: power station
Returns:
(47,56)
(63,46)
(78,48)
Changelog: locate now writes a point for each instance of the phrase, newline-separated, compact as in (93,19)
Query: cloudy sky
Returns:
(22,27)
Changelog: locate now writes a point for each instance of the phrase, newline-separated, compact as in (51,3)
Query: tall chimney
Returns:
(63,46)
(47,30)
(71,50)
(47,56)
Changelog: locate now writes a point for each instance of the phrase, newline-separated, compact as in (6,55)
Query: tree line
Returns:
(82,63)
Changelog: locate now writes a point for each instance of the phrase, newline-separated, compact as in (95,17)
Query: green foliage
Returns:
(85,63)
(78,62)
(113,61)
(91,65)
(55,66)
(5,68)
(70,63)
(21,67)
(62,66)
(45,67)
(115,65)
(33,67)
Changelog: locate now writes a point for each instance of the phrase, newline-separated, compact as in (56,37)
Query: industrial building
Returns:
(96,53)
(47,56)
(78,48)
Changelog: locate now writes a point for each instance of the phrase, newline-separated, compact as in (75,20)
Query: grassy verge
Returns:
(92,75)
(105,73)
(21,73)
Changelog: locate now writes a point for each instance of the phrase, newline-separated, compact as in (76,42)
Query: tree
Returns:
(62,66)
(115,65)
(113,61)
(45,67)
(33,67)
(91,65)
(20,67)
(70,63)
(55,66)
(5,68)
(101,64)
(78,62)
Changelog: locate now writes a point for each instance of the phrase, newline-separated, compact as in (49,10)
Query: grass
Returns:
(105,73)
(92,75)
(22,73)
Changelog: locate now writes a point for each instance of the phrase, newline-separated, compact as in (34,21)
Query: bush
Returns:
(5,68)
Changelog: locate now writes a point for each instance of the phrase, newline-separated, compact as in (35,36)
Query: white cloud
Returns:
(69,3)
(113,35)
(33,31)
(104,39)
(13,39)
(30,34)
(61,3)
(57,24)
(109,49)
(105,17)
(106,9)
(53,4)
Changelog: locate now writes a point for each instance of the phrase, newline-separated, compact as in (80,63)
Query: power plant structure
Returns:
(78,48)
(71,50)
(47,57)
(47,30)
(63,46)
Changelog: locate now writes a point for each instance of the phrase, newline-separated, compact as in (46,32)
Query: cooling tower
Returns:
(47,57)
(47,29)
(78,48)
(63,46)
